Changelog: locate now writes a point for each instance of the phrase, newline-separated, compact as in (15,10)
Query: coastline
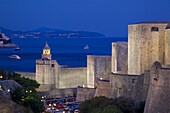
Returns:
(8,45)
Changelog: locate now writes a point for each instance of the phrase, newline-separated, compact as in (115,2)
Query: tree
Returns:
(99,105)
(127,105)
(111,109)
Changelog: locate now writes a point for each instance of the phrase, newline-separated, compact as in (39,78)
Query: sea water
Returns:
(67,51)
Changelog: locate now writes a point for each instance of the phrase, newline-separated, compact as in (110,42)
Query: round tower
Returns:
(159,90)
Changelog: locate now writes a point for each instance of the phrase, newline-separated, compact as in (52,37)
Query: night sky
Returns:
(109,17)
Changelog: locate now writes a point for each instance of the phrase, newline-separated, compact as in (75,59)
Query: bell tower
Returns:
(46,53)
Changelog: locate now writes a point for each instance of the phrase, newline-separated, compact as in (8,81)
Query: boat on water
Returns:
(17,49)
(86,47)
(14,57)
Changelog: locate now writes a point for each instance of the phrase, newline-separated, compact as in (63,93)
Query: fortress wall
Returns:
(143,45)
(126,85)
(134,53)
(59,93)
(102,88)
(97,67)
(45,87)
(167,47)
(85,93)
(71,77)
(30,75)
(45,71)
(158,99)
(146,84)
(114,58)
(120,57)
(45,74)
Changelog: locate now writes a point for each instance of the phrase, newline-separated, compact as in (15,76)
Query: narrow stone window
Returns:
(154,29)
(133,80)
(52,65)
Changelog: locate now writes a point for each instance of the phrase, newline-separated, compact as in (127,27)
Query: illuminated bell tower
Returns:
(46,53)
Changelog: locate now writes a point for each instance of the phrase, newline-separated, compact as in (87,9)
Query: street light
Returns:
(8,90)
(1,76)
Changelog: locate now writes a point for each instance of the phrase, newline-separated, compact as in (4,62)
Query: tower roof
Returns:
(46,46)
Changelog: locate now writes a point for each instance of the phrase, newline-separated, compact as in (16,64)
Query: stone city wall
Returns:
(102,88)
(71,77)
(97,67)
(167,47)
(30,75)
(119,57)
(126,85)
(59,93)
(146,83)
(158,99)
(45,73)
(85,93)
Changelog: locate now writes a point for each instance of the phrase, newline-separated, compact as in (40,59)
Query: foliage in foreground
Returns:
(25,95)
(99,105)
(105,105)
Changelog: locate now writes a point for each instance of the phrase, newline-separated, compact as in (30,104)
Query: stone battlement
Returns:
(44,62)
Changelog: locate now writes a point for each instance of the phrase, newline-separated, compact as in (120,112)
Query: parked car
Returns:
(64,105)
(59,106)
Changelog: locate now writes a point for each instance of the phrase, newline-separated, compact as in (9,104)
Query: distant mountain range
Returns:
(45,32)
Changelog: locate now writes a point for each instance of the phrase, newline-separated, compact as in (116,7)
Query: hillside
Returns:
(45,32)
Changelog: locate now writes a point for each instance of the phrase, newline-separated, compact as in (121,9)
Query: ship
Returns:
(17,49)
(14,57)
(86,47)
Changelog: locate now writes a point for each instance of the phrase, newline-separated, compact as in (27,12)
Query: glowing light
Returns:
(54,104)
(1,76)
(8,90)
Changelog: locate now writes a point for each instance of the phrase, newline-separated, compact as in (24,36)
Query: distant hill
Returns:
(45,32)
(46,29)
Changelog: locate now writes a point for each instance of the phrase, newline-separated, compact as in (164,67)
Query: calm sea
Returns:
(67,51)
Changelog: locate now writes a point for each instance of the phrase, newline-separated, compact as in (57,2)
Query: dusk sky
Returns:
(110,17)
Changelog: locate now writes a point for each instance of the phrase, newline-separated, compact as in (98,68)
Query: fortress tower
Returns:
(46,70)
(147,42)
